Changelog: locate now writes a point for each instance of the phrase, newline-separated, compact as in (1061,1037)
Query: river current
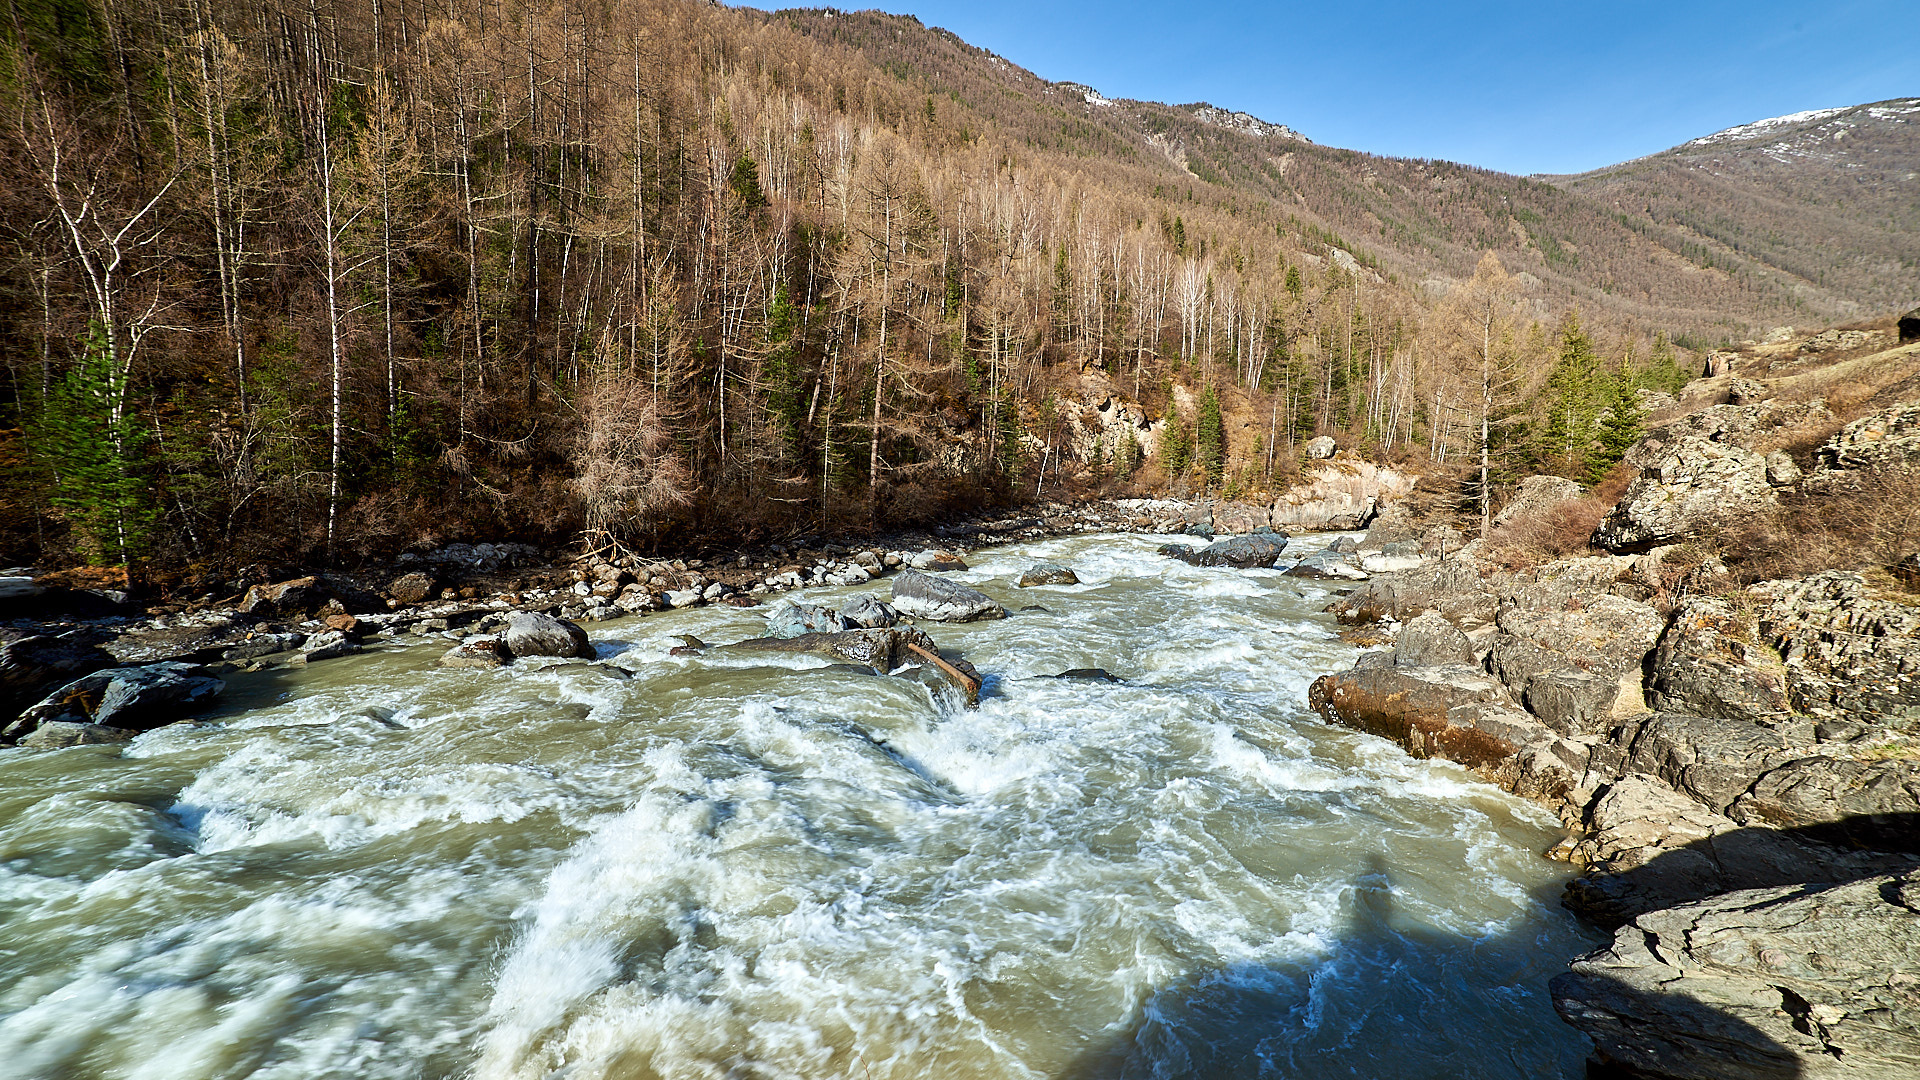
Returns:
(750,866)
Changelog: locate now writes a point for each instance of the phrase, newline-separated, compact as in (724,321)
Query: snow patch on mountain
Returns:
(1759,127)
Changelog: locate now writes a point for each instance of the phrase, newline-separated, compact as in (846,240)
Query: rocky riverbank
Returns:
(1738,768)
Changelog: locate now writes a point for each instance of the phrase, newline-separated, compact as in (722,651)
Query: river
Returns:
(751,866)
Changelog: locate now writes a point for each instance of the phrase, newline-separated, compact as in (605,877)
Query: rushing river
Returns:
(765,867)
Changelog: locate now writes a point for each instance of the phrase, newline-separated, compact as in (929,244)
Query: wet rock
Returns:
(1048,574)
(415,588)
(1783,982)
(941,600)
(132,698)
(326,646)
(1711,662)
(879,651)
(937,561)
(1091,674)
(790,619)
(1328,564)
(1240,552)
(55,734)
(683,598)
(1578,670)
(530,633)
(869,613)
(1432,641)
(32,664)
(483,653)
(1693,486)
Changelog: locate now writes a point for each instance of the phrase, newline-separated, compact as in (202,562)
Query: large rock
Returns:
(1766,984)
(1849,655)
(530,633)
(286,599)
(1710,662)
(485,653)
(131,698)
(1872,804)
(1329,565)
(1432,641)
(1692,487)
(1240,552)
(790,619)
(55,734)
(1888,437)
(1458,713)
(1536,494)
(1748,426)
(1340,495)
(922,596)
(1579,669)
(1047,574)
(870,613)
(1712,761)
(414,588)
(881,651)
(32,664)
(1456,588)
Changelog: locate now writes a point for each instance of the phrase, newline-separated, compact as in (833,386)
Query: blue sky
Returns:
(1521,87)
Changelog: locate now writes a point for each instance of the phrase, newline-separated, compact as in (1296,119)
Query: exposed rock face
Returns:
(1536,494)
(1872,804)
(1848,655)
(1340,495)
(1711,761)
(533,634)
(1240,552)
(1711,662)
(1689,488)
(415,588)
(1577,670)
(924,597)
(1320,449)
(1453,587)
(131,698)
(1747,426)
(1796,981)
(1240,518)
(1888,437)
(1048,574)
(1432,641)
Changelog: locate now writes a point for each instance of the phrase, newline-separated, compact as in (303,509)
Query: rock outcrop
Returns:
(1577,669)
(1797,981)
(1694,485)
(1339,494)
(1888,437)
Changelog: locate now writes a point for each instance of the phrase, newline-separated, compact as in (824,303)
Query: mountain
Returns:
(1812,219)
(1824,204)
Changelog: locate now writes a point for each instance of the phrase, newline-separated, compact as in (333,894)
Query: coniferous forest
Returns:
(322,281)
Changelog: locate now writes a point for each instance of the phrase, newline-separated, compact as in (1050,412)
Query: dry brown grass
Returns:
(1857,521)
(1559,530)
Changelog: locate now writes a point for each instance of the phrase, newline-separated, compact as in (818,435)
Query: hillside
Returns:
(1822,204)
(322,282)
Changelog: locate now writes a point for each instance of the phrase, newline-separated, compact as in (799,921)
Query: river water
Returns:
(770,867)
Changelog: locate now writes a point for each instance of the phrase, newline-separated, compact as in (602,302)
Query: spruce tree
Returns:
(1571,400)
(1211,438)
(1176,446)
(94,456)
(1621,424)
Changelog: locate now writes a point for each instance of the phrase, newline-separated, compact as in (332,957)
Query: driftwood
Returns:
(879,650)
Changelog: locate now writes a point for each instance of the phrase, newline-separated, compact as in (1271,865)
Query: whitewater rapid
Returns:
(753,866)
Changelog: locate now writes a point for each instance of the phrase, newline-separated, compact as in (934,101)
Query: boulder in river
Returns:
(414,588)
(869,613)
(790,619)
(880,651)
(32,664)
(1329,564)
(938,561)
(921,596)
(55,734)
(1240,552)
(285,599)
(482,653)
(1795,981)
(1048,574)
(530,633)
(132,698)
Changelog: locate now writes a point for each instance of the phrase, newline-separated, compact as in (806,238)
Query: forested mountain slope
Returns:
(1825,204)
(322,280)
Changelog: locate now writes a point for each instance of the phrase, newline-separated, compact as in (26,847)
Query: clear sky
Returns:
(1541,87)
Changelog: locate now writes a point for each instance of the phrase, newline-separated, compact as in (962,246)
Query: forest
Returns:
(318,283)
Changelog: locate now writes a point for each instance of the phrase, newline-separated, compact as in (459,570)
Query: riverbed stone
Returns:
(869,613)
(1047,574)
(413,588)
(530,633)
(54,734)
(922,596)
(285,599)
(790,619)
(482,653)
(1329,565)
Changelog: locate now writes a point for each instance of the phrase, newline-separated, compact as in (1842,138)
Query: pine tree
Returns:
(1211,438)
(94,456)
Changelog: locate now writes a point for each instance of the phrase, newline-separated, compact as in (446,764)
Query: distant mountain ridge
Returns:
(1811,218)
